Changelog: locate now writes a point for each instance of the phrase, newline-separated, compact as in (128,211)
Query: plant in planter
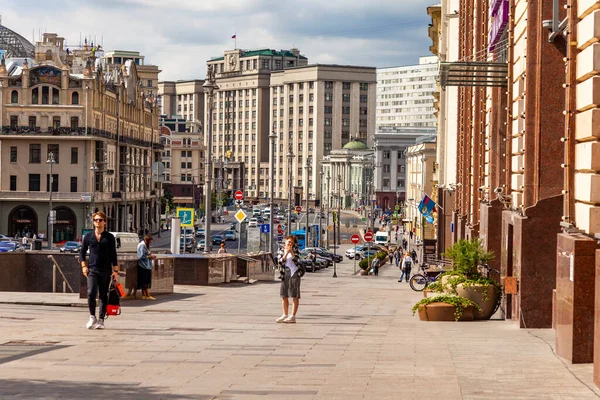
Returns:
(466,281)
(450,304)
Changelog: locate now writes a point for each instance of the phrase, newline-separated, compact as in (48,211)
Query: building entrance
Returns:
(22,221)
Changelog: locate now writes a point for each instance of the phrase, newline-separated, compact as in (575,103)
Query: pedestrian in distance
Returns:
(144,270)
(375,265)
(406,267)
(24,242)
(222,249)
(101,267)
(290,273)
(413,255)
(397,256)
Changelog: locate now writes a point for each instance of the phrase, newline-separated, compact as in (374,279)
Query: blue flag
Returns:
(426,206)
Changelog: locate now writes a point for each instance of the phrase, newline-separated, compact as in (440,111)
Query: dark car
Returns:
(230,235)
(324,253)
(218,239)
(9,247)
(70,247)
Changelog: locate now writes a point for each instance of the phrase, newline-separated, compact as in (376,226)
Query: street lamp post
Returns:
(272,138)
(94,168)
(336,242)
(210,86)
(290,156)
(339,181)
(306,234)
(51,162)
(321,207)
(1,103)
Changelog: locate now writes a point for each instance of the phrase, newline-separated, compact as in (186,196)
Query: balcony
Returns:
(68,197)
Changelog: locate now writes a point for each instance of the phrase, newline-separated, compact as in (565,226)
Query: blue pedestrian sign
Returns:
(265,228)
(186,215)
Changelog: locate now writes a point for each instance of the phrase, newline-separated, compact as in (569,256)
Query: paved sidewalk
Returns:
(356,338)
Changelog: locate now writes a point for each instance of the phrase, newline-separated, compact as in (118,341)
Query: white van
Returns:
(126,242)
(382,238)
(256,211)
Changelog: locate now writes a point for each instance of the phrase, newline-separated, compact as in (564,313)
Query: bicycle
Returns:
(485,270)
(418,282)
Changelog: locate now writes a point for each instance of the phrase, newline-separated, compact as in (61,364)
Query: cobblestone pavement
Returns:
(355,338)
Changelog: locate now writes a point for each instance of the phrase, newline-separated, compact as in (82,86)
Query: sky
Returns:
(180,36)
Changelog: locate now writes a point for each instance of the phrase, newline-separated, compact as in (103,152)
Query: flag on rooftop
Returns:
(234,36)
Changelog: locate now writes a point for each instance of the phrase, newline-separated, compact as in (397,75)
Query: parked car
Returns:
(252,223)
(201,245)
(70,247)
(311,210)
(230,235)
(366,253)
(189,245)
(201,232)
(280,217)
(10,247)
(351,254)
(218,239)
(327,254)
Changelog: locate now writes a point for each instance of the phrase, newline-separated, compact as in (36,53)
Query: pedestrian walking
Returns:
(404,244)
(413,255)
(24,242)
(375,266)
(406,267)
(222,249)
(101,267)
(397,257)
(290,273)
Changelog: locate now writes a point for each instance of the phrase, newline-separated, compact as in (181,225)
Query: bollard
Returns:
(53,278)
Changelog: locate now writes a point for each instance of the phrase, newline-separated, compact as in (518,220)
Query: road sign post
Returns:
(368,238)
(298,209)
(355,239)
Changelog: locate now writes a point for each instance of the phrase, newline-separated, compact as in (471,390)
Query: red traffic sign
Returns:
(368,236)
(355,239)
(279,229)
(358,209)
(239,195)
(298,208)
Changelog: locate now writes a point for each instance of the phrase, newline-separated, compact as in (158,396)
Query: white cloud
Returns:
(181,36)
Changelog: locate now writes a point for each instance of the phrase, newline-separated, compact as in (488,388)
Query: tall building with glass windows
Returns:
(405,95)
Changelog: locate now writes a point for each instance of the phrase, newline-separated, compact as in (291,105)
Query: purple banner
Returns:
(498,22)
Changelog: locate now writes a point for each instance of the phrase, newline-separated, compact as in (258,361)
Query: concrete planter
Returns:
(443,312)
(485,296)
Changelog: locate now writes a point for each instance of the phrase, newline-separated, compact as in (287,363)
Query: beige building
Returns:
(240,113)
(184,99)
(147,74)
(315,109)
(86,121)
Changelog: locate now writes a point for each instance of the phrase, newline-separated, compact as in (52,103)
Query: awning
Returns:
(473,73)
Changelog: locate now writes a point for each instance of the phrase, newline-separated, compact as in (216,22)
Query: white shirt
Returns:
(405,259)
(289,262)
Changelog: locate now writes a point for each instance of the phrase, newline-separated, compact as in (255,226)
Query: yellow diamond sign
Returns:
(240,216)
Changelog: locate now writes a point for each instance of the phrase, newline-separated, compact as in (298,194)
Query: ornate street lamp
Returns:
(272,138)
(290,156)
(210,86)
(51,217)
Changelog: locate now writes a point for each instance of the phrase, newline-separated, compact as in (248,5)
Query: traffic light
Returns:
(335,217)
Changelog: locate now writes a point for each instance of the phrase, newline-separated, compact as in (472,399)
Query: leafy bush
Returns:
(466,255)
(459,302)
(365,262)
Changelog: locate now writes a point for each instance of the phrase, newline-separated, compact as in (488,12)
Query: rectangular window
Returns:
(345,85)
(345,110)
(74,123)
(32,122)
(362,123)
(346,97)
(13,153)
(56,122)
(74,155)
(364,86)
(35,154)
(45,95)
(328,85)
(13,183)
(345,122)
(311,97)
(73,184)
(189,165)
(327,121)
(182,165)
(53,148)
(34,182)
(328,109)
(386,154)
(54,182)
(311,85)
(363,98)
(14,122)
(328,97)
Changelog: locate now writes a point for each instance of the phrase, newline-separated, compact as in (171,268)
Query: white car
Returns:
(252,223)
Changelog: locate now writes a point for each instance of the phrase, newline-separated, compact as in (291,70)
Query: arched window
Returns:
(48,54)
(55,94)
(75,98)
(14,97)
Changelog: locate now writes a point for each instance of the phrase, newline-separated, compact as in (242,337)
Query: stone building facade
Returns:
(102,131)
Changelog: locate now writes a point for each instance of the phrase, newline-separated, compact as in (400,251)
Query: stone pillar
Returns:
(575,287)
(394,170)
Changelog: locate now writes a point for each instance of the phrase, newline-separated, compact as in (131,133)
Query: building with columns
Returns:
(102,131)
(347,176)
(240,114)
(184,99)
(390,145)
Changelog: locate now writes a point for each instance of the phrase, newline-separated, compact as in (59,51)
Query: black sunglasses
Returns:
(98,220)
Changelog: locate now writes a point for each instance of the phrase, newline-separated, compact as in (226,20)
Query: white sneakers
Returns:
(92,322)
(281,319)
(100,324)
(286,319)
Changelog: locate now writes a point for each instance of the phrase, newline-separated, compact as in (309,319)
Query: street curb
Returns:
(43,303)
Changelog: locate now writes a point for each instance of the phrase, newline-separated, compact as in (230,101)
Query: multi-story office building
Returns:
(405,94)
(182,158)
(100,134)
(315,109)
(148,74)
(240,113)
(184,99)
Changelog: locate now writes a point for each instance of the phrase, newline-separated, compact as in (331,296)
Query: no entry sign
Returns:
(239,195)
(298,209)
(368,236)
(355,239)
